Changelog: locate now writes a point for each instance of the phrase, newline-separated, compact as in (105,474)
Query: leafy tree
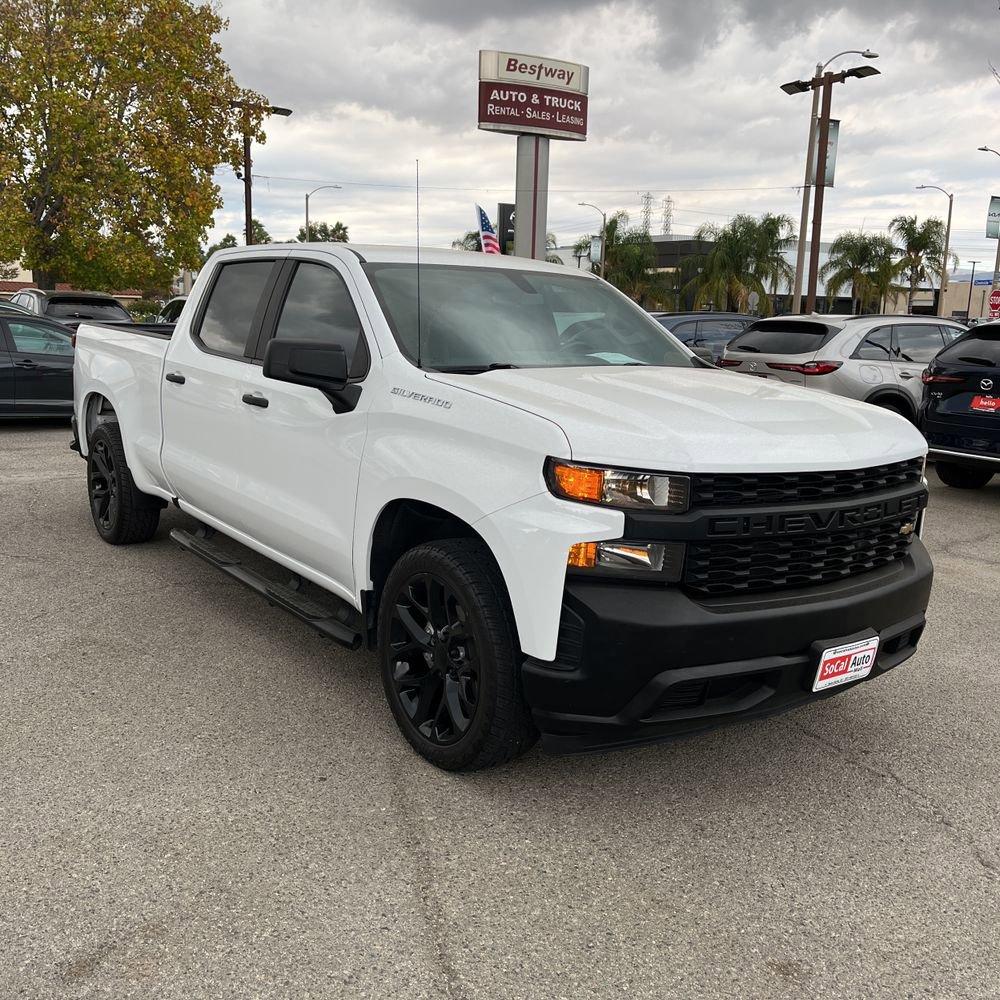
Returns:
(257,230)
(581,249)
(115,115)
(922,249)
(864,262)
(470,241)
(630,262)
(747,256)
(323,232)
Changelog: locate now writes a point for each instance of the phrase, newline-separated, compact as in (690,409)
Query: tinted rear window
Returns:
(979,348)
(83,308)
(782,337)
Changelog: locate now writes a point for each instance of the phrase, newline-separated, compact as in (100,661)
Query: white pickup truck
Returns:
(545,513)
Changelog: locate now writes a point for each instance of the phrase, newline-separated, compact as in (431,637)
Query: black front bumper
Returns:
(638,664)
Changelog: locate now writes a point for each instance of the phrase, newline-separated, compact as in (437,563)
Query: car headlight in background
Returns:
(618,487)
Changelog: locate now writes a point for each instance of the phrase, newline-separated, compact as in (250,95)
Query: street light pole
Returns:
(996,265)
(972,281)
(248,162)
(817,221)
(800,250)
(322,187)
(604,229)
(947,243)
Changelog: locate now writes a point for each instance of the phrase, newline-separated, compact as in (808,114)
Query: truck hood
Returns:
(700,420)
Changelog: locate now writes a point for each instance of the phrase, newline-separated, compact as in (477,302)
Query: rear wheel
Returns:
(450,659)
(123,515)
(962,477)
(891,404)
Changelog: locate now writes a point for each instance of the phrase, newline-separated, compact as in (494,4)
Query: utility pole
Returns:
(800,250)
(248,162)
(817,222)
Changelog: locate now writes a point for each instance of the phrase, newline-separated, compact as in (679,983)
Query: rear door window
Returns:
(981,348)
(232,306)
(783,337)
(684,332)
(319,307)
(917,343)
(31,337)
(716,333)
(877,346)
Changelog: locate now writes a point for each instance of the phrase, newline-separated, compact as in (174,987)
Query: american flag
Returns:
(487,234)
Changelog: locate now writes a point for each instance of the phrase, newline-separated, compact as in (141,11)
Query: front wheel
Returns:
(450,659)
(962,477)
(123,515)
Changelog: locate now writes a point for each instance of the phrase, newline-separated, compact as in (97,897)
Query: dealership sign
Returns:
(532,95)
(993,219)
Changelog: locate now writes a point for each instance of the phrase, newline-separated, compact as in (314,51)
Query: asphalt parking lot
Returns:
(199,797)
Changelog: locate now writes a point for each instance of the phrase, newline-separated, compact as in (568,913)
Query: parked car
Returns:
(709,331)
(877,359)
(544,512)
(960,416)
(72,308)
(171,312)
(36,367)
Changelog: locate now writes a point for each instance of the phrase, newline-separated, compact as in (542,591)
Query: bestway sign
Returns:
(532,95)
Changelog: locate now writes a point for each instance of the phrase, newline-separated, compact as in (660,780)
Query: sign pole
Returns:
(531,197)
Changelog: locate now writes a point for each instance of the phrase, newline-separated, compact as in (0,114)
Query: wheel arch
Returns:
(97,409)
(888,394)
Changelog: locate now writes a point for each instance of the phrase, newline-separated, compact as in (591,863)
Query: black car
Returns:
(707,330)
(960,412)
(73,308)
(36,367)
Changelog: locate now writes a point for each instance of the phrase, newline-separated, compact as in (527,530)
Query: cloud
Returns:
(684,97)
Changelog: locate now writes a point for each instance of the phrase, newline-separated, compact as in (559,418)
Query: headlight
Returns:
(662,561)
(618,487)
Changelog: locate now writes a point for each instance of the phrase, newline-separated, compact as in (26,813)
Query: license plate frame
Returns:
(845,662)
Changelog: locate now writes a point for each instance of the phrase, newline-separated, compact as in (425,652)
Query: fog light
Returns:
(655,560)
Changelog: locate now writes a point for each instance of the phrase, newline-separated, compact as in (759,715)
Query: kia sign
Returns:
(993,219)
(532,95)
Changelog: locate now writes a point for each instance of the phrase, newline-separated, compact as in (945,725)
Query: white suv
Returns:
(877,359)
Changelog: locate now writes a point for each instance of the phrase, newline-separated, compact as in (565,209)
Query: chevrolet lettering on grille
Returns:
(832,519)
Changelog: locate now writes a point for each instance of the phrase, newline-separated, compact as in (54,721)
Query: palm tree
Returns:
(470,241)
(748,256)
(630,262)
(922,249)
(866,263)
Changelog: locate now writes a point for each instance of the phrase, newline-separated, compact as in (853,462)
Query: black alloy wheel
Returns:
(435,665)
(104,486)
(449,656)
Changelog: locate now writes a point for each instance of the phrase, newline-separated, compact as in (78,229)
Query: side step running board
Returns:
(340,624)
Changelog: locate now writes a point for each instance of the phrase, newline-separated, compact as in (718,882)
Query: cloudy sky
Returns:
(684,102)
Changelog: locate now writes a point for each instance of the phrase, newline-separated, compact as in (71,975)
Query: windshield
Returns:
(476,318)
(86,309)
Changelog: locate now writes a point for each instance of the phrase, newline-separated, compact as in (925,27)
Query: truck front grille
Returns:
(734,490)
(764,564)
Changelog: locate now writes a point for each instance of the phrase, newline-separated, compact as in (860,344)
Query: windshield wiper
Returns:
(741,347)
(475,369)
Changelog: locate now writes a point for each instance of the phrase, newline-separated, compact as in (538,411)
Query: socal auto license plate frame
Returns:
(845,662)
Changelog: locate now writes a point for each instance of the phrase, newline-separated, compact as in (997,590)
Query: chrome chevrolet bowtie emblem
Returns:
(986,385)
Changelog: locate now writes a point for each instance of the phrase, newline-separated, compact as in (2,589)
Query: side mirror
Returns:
(307,362)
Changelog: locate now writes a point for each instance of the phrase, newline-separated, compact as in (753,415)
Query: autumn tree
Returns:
(116,114)
(323,232)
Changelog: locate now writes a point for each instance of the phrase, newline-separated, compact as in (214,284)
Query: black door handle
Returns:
(249,397)
(25,363)
(175,377)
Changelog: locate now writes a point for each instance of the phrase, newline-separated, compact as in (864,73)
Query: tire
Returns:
(455,690)
(122,514)
(962,477)
(894,407)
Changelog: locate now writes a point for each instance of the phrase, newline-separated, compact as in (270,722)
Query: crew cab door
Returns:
(207,428)
(300,487)
(42,364)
